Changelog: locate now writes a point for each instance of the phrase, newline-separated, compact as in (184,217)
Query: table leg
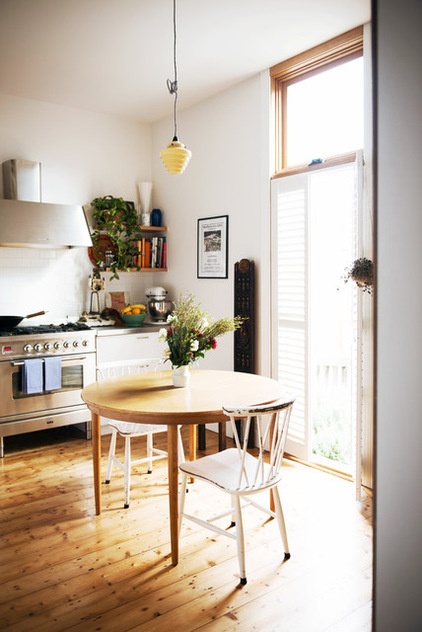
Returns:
(193,433)
(173,481)
(201,437)
(222,443)
(96,460)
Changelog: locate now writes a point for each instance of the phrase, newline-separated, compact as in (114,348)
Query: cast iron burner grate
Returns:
(45,329)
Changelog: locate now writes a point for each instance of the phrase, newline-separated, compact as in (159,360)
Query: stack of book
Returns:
(152,253)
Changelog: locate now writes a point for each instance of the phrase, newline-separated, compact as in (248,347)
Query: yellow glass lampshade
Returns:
(175,157)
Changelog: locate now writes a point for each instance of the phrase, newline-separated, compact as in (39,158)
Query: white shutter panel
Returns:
(289,200)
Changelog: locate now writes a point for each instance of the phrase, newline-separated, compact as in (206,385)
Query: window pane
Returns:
(325,114)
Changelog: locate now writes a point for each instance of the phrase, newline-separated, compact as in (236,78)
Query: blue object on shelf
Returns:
(155,217)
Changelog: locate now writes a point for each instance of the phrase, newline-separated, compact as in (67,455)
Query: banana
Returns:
(137,308)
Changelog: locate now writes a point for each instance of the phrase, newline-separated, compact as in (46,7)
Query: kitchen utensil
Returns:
(10,322)
(157,293)
(159,310)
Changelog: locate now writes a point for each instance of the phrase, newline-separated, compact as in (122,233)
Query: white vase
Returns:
(180,376)
(145,190)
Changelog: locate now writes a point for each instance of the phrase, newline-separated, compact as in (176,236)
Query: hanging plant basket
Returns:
(361,272)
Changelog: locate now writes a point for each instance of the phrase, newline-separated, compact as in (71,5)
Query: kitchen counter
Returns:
(116,330)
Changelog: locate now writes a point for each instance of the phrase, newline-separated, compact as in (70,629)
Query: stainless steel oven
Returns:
(22,411)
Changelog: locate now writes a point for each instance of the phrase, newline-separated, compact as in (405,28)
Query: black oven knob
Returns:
(38,346)
(85,343)
(47,346)
(27,348)
(66,344)
(57,345)
(75,343)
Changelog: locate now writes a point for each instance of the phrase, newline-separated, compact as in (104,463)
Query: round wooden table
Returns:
(151,398)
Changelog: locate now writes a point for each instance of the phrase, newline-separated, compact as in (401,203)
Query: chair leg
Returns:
(233,521)
(240,539)
(111,453)
(149,451)
(181,451)
(127,472)
(182,496)
(281,523)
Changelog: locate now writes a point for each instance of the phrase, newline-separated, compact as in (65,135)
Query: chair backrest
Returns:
(108,370)
(270,423)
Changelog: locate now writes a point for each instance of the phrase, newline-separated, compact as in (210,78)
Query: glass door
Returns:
(316,356)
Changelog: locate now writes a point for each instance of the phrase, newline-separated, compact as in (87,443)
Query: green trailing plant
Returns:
(119,220)
(361,272)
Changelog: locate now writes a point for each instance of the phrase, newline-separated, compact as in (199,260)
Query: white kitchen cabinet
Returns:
(124,345)
(120,345)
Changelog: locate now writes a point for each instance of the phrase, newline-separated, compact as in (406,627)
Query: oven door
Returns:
(77,372)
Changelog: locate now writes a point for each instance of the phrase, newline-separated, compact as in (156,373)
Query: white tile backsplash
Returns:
(57,281)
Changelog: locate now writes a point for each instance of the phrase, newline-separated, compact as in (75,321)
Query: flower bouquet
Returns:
(192,331)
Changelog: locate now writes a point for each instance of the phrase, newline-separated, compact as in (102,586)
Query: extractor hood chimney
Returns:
(26,222)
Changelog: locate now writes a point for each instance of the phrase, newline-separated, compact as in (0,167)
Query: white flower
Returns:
(170,318)
(162,334)
(194,345)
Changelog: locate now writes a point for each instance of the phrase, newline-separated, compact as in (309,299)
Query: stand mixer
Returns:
(158,306)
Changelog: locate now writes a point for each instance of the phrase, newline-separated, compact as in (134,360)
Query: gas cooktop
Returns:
(44,329)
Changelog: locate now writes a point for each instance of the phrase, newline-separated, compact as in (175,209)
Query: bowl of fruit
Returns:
(134,315)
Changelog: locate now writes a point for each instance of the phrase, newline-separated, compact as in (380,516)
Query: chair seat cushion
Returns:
(126,428)
(223,468)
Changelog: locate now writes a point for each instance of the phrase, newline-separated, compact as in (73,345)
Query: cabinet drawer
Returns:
(136,346)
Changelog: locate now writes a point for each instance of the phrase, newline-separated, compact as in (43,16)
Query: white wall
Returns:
(83,155)
(398,520)
(224,177)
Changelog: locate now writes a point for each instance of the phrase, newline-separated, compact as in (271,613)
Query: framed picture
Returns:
(212,254)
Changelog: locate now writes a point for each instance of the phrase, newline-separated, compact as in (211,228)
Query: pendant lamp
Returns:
(175,156)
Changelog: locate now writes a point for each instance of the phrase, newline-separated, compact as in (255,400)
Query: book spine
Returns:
(154,252)
(164,258)
(147,253)
(143,252)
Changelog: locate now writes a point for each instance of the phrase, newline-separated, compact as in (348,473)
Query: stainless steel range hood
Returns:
(26,222)
(41,225)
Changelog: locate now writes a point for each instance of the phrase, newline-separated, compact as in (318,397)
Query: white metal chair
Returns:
(128,430)
(240,474)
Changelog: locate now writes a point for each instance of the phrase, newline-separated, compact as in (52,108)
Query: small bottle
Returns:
(108,258)
(155,217)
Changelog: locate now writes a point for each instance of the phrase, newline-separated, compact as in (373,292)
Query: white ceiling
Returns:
(114,56)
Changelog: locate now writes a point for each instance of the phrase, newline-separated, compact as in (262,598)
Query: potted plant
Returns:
(190,333)
(361,272)
(118,219)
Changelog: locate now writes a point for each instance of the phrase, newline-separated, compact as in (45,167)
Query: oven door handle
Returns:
(65,359)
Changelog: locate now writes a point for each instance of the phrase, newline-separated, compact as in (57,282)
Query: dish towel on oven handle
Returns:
(52,374)
(32,376)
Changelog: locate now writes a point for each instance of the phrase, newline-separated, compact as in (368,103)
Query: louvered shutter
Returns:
(289,201)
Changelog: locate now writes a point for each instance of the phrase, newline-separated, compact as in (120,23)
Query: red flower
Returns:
(214,343)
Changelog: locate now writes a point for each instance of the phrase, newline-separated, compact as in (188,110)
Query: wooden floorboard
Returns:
(62,568)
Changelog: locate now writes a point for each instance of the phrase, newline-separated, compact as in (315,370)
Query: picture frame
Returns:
(212,247)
